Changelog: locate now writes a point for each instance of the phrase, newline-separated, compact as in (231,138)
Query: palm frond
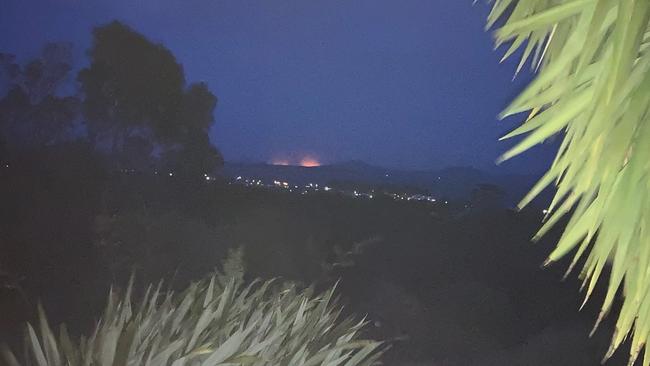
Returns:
(593,87)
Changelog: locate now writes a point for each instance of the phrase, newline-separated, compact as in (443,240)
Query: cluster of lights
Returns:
(421,198)
(414,197)
(284,185)
(250,182)
(315,187)
(170,174)
(362,194)
(312,187)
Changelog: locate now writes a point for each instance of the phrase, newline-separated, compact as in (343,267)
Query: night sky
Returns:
(413,84)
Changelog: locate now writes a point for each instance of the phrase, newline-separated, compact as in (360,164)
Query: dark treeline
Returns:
(82,208)
(132,103)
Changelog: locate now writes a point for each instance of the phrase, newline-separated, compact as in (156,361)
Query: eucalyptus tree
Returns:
(134,87)
(592,88)
(130,85)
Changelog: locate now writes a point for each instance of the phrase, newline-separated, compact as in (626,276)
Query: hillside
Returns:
(454,183)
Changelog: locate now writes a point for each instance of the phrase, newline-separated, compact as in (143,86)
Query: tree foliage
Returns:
(131,83)
(195,154)
(32,113)
(134,87)
(593,87)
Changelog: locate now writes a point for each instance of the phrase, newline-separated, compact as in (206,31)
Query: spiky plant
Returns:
(217,321)
(593,88)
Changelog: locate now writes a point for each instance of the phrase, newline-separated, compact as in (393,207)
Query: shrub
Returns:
(216,321)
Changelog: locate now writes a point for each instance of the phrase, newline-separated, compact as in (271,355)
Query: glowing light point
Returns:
(279,162)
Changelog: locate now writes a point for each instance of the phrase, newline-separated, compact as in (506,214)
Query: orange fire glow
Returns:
(309,162)
(280,162)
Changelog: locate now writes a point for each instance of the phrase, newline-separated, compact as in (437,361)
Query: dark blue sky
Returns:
(409,83)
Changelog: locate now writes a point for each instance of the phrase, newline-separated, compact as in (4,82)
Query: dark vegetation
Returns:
(131,103)
(456,291)
(82,207)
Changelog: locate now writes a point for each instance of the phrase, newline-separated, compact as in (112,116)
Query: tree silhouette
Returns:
(9,70)
(43,76)
(136,154)
(198,155)
(31,112)
(134,87)
(131,84)
(198,107)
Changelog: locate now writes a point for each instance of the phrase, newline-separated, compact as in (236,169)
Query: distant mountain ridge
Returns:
(450,182)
